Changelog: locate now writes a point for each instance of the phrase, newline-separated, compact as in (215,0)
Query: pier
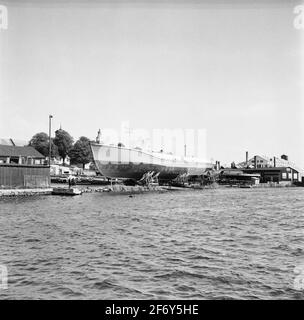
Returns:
(24,192)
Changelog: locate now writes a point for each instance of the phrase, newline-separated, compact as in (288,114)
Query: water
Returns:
(199,244)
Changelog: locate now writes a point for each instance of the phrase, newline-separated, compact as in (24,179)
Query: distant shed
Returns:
(22,167)
(276,174)
(235,176)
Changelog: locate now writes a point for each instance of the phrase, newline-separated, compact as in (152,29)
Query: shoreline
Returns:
(129,190)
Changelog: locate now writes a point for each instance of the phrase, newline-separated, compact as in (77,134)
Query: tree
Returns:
(40,141)
(64,143)
(81,152)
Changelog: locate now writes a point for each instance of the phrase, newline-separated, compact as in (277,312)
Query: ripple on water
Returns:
(221,244)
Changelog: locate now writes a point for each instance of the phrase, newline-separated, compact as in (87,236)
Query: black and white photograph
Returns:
(151,151)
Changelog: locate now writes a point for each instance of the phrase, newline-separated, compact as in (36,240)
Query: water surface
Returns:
(196,244)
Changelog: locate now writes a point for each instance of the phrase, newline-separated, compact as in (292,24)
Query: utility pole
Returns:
(50,139)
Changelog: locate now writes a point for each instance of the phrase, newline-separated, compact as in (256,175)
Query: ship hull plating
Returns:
(136,171)
(119,162)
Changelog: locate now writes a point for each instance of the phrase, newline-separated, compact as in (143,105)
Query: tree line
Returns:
(62,145)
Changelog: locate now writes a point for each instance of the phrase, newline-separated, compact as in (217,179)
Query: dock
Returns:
(24,192)
(66,191)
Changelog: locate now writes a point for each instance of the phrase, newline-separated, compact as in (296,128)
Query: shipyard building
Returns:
(275,169)
(22,167)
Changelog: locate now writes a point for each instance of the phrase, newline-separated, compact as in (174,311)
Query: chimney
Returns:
(255,162)
(12,142)
(98,136)
(274,162)
(246,158)
(217,165)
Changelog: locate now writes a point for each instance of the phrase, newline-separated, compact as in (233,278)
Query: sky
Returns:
(232,68)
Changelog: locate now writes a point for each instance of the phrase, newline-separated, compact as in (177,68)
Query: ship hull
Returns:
(136,171)
(116,162)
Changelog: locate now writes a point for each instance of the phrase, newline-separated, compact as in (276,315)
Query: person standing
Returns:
(70,181)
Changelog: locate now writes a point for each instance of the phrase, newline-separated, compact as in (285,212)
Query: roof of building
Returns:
(269,169)
(270,161)
(13,151)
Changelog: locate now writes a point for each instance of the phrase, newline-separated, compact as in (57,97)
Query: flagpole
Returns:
(50,140)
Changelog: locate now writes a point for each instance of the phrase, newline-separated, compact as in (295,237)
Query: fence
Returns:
(24,176)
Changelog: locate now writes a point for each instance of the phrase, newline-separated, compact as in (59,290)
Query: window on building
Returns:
(290,176)
(14,160)
(284,175)
(295,176)
(3,159)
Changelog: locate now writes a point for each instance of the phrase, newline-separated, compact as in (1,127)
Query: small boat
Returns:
(66,191)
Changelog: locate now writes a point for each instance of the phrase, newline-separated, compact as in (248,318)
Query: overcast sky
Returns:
(232,67)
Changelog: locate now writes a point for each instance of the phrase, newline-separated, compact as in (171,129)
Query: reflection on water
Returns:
(203,244)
